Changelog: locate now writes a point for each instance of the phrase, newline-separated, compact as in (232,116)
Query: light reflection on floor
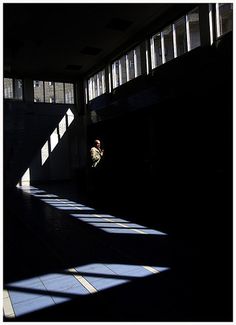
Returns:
(47,290)
(54,288)
(104,222)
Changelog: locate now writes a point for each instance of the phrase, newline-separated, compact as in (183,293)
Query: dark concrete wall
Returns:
(168,145)
(27,126)
(170,129)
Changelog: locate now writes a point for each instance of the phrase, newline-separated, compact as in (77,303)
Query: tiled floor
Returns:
(69,257)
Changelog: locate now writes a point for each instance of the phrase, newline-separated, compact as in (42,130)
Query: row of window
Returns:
(13,88)
(96,85)
(53,92)
(126,68)
(44,91)
(172,41)
(176,39)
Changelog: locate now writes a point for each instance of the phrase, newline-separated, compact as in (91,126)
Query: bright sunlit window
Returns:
(176,39)
(224,18)
(126,68)
(53,92)
(96,85)
(13,88)
(193,29)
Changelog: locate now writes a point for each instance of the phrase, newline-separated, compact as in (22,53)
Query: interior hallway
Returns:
(70,261)
(152,82)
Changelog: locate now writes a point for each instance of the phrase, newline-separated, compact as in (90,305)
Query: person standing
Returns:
(96,181)
(96,153)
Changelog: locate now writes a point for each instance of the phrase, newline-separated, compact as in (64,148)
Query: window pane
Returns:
(137,61)
(59,92)
(18,89)
(38,91)
(90,89)
(194,29)
(123,70)
(95,86)
(49,91)
(115,74)
(226,17)
(157,50)
(180,32)
(101,82)
(131,65)
(100,89)
(8,88)
(69,93)
(168,43)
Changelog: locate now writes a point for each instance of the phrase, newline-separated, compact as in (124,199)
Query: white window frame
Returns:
(217,20)
(174,40)
(127,67)
(188,33)
(97,82)
(210,12)
(163,48)
(103,82)
(109,79)
(135,64)
(120,73)
(153,63)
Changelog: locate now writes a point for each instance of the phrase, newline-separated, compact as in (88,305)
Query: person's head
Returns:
(97,143)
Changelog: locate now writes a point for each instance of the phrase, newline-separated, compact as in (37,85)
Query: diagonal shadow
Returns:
(67,243)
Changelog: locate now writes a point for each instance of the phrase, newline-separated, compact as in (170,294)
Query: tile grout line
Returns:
(82,280)
(7,305)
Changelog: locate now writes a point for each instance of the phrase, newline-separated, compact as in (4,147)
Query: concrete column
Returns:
(108,81)
(28,90)
(204,19)
(145,55)
(80,133)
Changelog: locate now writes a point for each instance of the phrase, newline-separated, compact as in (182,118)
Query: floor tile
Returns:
(122,269)
(120,230)
(20,296)
(108,283)
(51,276)
(154,232)
(61,284)
(161,268)
(138,273)
(94,269)
(35,304)
(76,291)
